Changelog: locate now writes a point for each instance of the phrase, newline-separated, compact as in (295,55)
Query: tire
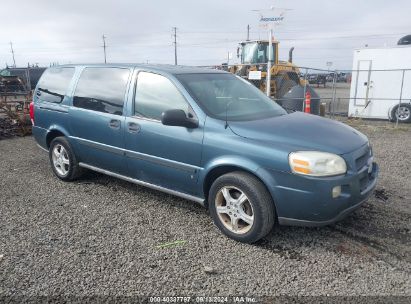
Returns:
(285,86)
(404,113)
(65,167)
(254,217)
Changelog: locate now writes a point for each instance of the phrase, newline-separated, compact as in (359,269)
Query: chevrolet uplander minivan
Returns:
(204,135)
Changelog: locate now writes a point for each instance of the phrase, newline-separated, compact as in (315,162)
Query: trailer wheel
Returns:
(401,112)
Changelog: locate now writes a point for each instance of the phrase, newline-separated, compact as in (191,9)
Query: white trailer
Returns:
(381,81)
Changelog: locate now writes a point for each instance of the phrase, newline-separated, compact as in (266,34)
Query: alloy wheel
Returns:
(61,160)
(234,210)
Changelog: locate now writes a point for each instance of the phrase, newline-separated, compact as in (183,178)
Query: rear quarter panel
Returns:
(52,116)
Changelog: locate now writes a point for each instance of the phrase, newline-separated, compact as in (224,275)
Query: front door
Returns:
(167,156)
(97,119)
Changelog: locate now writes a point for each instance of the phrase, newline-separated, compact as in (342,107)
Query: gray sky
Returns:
(140,31)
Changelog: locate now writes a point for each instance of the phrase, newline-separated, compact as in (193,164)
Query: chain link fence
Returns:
(363,93)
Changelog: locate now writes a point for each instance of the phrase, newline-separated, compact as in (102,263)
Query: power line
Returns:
(343,37)
(199,31)
(212,41)
(56,45)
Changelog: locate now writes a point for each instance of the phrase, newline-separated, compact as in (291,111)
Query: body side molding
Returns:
(145,184)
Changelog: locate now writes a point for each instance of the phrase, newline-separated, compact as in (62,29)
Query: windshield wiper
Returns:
(289,110)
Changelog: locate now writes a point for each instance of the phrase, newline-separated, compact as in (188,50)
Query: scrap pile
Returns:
(8,128)
(14,115)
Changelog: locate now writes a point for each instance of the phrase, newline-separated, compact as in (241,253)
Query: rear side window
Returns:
(102,90)
(156,94)
(53,84)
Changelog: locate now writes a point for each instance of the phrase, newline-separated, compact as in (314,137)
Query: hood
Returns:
(302,131)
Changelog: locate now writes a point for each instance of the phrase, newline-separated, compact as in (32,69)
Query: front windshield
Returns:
(13,72)
(227,96)
(5,73)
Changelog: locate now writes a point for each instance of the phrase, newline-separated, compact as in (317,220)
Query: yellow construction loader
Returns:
(286,85)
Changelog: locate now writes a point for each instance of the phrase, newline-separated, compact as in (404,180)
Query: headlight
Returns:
(315,163)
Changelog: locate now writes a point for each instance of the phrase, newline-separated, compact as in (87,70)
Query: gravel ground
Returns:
(101,236)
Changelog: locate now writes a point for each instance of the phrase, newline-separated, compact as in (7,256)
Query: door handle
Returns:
(133,127)
(114,123)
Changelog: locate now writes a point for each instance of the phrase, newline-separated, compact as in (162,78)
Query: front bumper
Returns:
(296,222)
(305,201)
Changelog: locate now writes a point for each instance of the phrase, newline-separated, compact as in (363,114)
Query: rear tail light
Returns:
(32,112)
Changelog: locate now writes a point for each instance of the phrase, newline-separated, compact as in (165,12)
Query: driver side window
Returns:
(156,94)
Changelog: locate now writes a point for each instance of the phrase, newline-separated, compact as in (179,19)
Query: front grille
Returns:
(362,161)
(364,183)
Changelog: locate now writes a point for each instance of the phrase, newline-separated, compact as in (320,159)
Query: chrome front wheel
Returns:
(241,206)
(234,210)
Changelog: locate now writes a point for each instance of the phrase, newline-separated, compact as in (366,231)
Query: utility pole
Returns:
(104,47)
(175,45)
(248,32)
(12,52)
(270,54)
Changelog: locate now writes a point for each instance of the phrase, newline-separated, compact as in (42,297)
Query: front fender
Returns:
(242,164)
(229,161)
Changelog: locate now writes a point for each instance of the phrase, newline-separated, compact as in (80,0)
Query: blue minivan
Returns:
(204,135)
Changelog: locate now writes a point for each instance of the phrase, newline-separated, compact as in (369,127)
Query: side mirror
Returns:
(178,118)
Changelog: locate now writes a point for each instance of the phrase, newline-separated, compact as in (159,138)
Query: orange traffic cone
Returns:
(307,108)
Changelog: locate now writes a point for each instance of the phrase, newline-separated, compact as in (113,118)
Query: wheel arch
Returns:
(222,169)
(54,132)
